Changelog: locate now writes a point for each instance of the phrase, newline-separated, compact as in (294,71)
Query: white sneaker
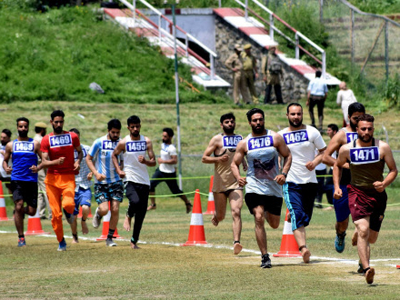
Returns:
(110,243)
(96,219)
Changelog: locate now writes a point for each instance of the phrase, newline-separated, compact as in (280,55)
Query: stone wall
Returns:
(294,85)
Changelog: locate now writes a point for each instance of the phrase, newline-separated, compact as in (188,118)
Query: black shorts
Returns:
(162,176)
(271,204)
(25,190)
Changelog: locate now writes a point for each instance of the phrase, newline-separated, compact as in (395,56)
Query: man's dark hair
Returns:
(334,127)
(318,73)
(169,131)
(7,132)
(293,104)
(23,119)
(227,116)
(366,118)
(75,130)
(355,107)
(133,120)
(114,123)
(252,112)
(57,113)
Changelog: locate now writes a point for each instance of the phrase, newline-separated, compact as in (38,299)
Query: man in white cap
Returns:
(43,202)
(235,64)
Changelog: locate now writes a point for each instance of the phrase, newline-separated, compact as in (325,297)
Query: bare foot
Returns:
(85,229)
(306,255)
(188,207)
(127,223)
(369,276)
(151,207)
(134,246)
(74,240)
(237,248)
(354,239)
(214,220)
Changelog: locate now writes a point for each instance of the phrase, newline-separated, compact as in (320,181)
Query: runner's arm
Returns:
(337,171)
(116,153)
(151,162)
(237,159)
(207,158)
(7,155)
(391,164)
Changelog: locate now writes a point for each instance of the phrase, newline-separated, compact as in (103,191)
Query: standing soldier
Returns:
(250,71)
(272,71)
(235,64)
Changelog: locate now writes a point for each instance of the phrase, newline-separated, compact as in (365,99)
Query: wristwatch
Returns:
(284,174)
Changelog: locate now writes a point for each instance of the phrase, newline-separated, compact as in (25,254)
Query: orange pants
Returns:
(60,190)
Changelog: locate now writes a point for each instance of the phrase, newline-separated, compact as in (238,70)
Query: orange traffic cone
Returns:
(196,231)
(89,215)
(106,226)
(289,247)
(3,211)
(210,203)
(34,225)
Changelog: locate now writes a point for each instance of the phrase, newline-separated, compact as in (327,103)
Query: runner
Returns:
(108,187)
(83,193)
(263,182)
(344,136)
(167,170)
(367,196)
(58,155)
(24,152)
(134,172)
(225,186)
(301,184)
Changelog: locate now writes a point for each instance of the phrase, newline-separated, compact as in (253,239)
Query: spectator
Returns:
(345,97)
(272,71)
(317,93)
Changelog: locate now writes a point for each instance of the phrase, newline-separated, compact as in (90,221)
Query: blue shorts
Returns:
(299,199)
(82,197)
(341,205)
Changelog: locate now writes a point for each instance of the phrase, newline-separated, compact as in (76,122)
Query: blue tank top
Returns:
(262,160)
(23,157)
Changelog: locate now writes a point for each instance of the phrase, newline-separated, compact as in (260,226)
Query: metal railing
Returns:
(162,32)
(297,34)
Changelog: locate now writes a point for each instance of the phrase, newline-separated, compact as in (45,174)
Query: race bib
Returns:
(351,136)
(364,155)
(61,140)
(136,146)
(295,137)
(231,141)
(260,142)
(84,152)
(23,147)
(108,145)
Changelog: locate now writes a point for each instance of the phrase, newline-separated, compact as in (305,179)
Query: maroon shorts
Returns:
(370,203)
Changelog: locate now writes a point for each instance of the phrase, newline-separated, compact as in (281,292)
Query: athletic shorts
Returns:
(342,205)
(162,176)
(25,190)
(82,197)
(299,199)
(109,191)
(367,203)
(271,204)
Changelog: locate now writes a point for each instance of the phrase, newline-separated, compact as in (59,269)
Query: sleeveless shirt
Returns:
(23,157)
(134,170)
(346,175)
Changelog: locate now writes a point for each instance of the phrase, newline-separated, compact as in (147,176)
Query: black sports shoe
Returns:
(265,261)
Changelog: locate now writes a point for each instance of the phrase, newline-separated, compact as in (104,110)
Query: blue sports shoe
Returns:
(339,242)
(21,242)
(62,246)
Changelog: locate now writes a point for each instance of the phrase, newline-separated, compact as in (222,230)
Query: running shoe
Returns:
(360,268)
(339,242)
(62,246)
(265,261)
(110,243)
(21,242)
(96,219)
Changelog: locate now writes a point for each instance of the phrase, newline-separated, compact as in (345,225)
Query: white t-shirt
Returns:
(167,151)
(302,144)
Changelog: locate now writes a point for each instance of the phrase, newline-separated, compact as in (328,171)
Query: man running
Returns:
(301,183)
(263,182)
(58,156)
(134,147)
(344,136)
(24,152)
(225,186)
(166,171)
(83,193)
(367,196)
(108,187)
(4,177)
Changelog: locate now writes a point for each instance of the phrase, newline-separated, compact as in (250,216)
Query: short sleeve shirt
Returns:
(167,151)
(61,145)
(302,144)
